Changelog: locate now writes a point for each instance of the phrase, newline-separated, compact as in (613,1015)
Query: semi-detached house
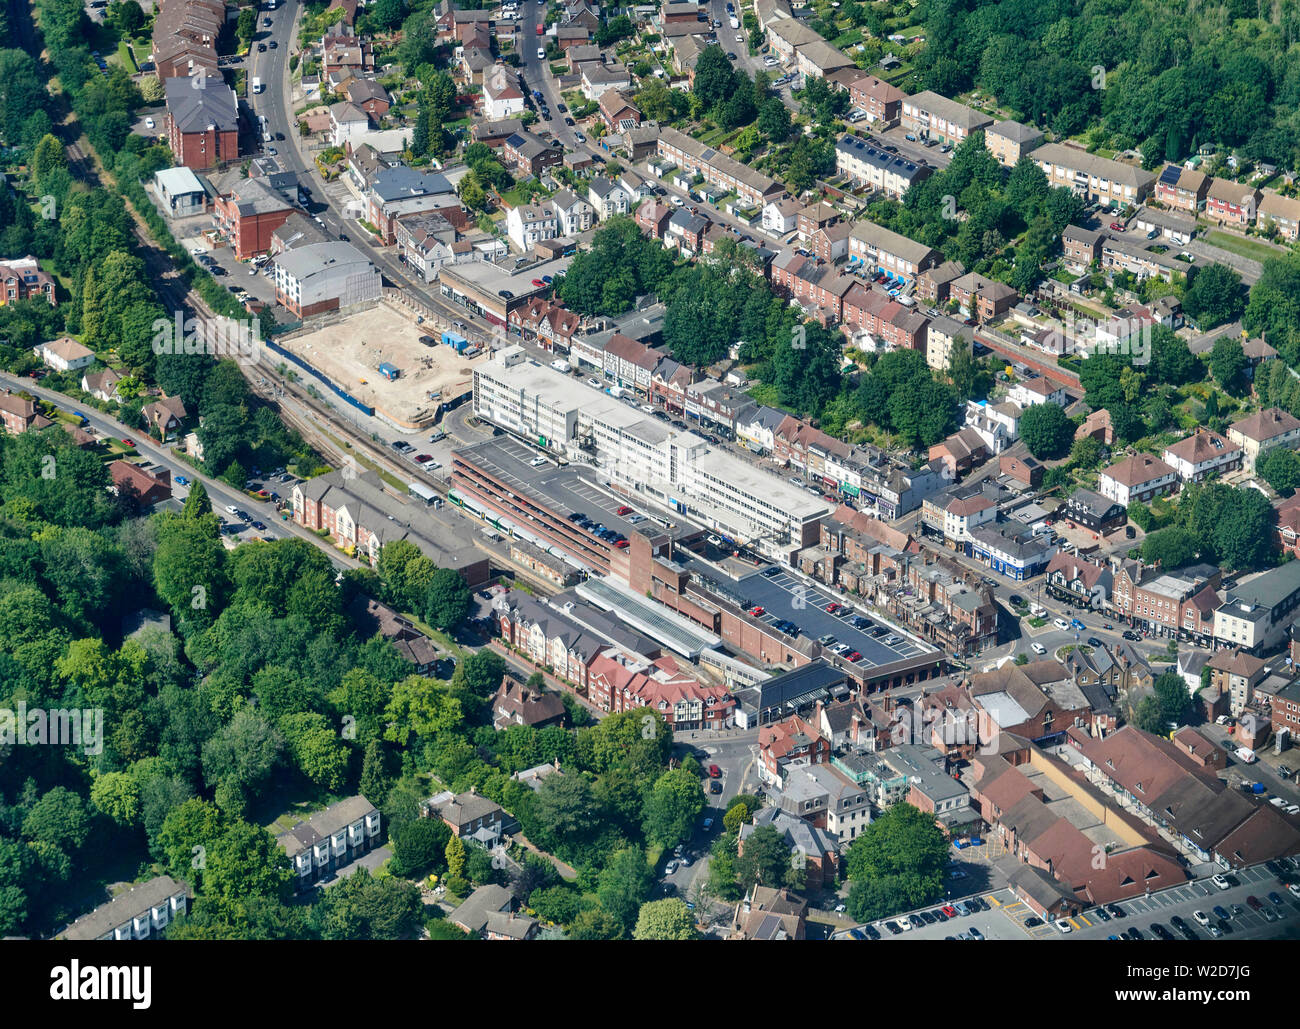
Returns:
(1137,479)
(1201,454)
(1261,432)
(931,116)
(1231,203)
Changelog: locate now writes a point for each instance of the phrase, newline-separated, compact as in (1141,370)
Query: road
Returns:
(536,75)
(276,103)
(219,492)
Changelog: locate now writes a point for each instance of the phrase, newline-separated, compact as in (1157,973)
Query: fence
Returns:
(325,379)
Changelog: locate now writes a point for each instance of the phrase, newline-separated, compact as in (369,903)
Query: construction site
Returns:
(416,377)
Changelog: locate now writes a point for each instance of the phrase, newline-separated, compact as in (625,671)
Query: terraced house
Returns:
(753,187)
(880,249)
(1095,178)
(871,166)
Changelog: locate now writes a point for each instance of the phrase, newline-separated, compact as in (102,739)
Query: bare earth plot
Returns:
(350,352)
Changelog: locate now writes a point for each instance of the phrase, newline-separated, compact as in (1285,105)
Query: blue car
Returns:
(182,481)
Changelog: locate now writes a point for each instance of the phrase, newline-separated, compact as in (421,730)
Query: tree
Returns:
(1227,364)
(454,853)
(117,795)
(1167,705)
(246,863)
(1170,548)
(365,907)
(376,778)
(764,860)
(316,749)
(1214,297)
(1280,468)
(126,16)
(1085,453)
(1046,430)
(59,819)
(665,920)
(624,883)
(774,120)
(672,807)
(246,26)
(904,850)
(480,673)
(242,754)
(421,706)
(16,882)
(447,600)
(565,811)
(714,79)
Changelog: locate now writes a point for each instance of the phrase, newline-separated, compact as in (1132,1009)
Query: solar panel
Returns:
(1171,175)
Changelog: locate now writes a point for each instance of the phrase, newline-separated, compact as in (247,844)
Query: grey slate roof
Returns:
(197,110)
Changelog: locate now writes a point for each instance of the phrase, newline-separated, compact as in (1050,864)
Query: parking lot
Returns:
(784,596)
(1201,895)
(917,151)
(1009,918)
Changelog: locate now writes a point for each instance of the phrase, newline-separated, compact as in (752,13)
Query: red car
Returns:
(832,607)
(621,544)
(624,510)
(538,282)
(423,458)
(949,910)
(756,611)
(715,772)
(1118,226)
(853,655)
(128,442)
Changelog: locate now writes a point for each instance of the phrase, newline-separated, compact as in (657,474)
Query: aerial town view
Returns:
(723,470)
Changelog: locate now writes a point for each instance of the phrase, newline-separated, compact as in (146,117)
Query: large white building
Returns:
(676,468)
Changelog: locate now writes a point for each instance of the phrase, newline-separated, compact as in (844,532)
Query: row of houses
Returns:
(1226,202)
(616,668)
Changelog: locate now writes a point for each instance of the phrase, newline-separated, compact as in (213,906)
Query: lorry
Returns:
(257,85)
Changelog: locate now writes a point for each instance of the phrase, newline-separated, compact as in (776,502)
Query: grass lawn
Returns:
(1256,250)
(125,58)
(1064,277)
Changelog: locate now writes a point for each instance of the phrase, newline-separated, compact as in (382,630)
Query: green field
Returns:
(1254,249)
